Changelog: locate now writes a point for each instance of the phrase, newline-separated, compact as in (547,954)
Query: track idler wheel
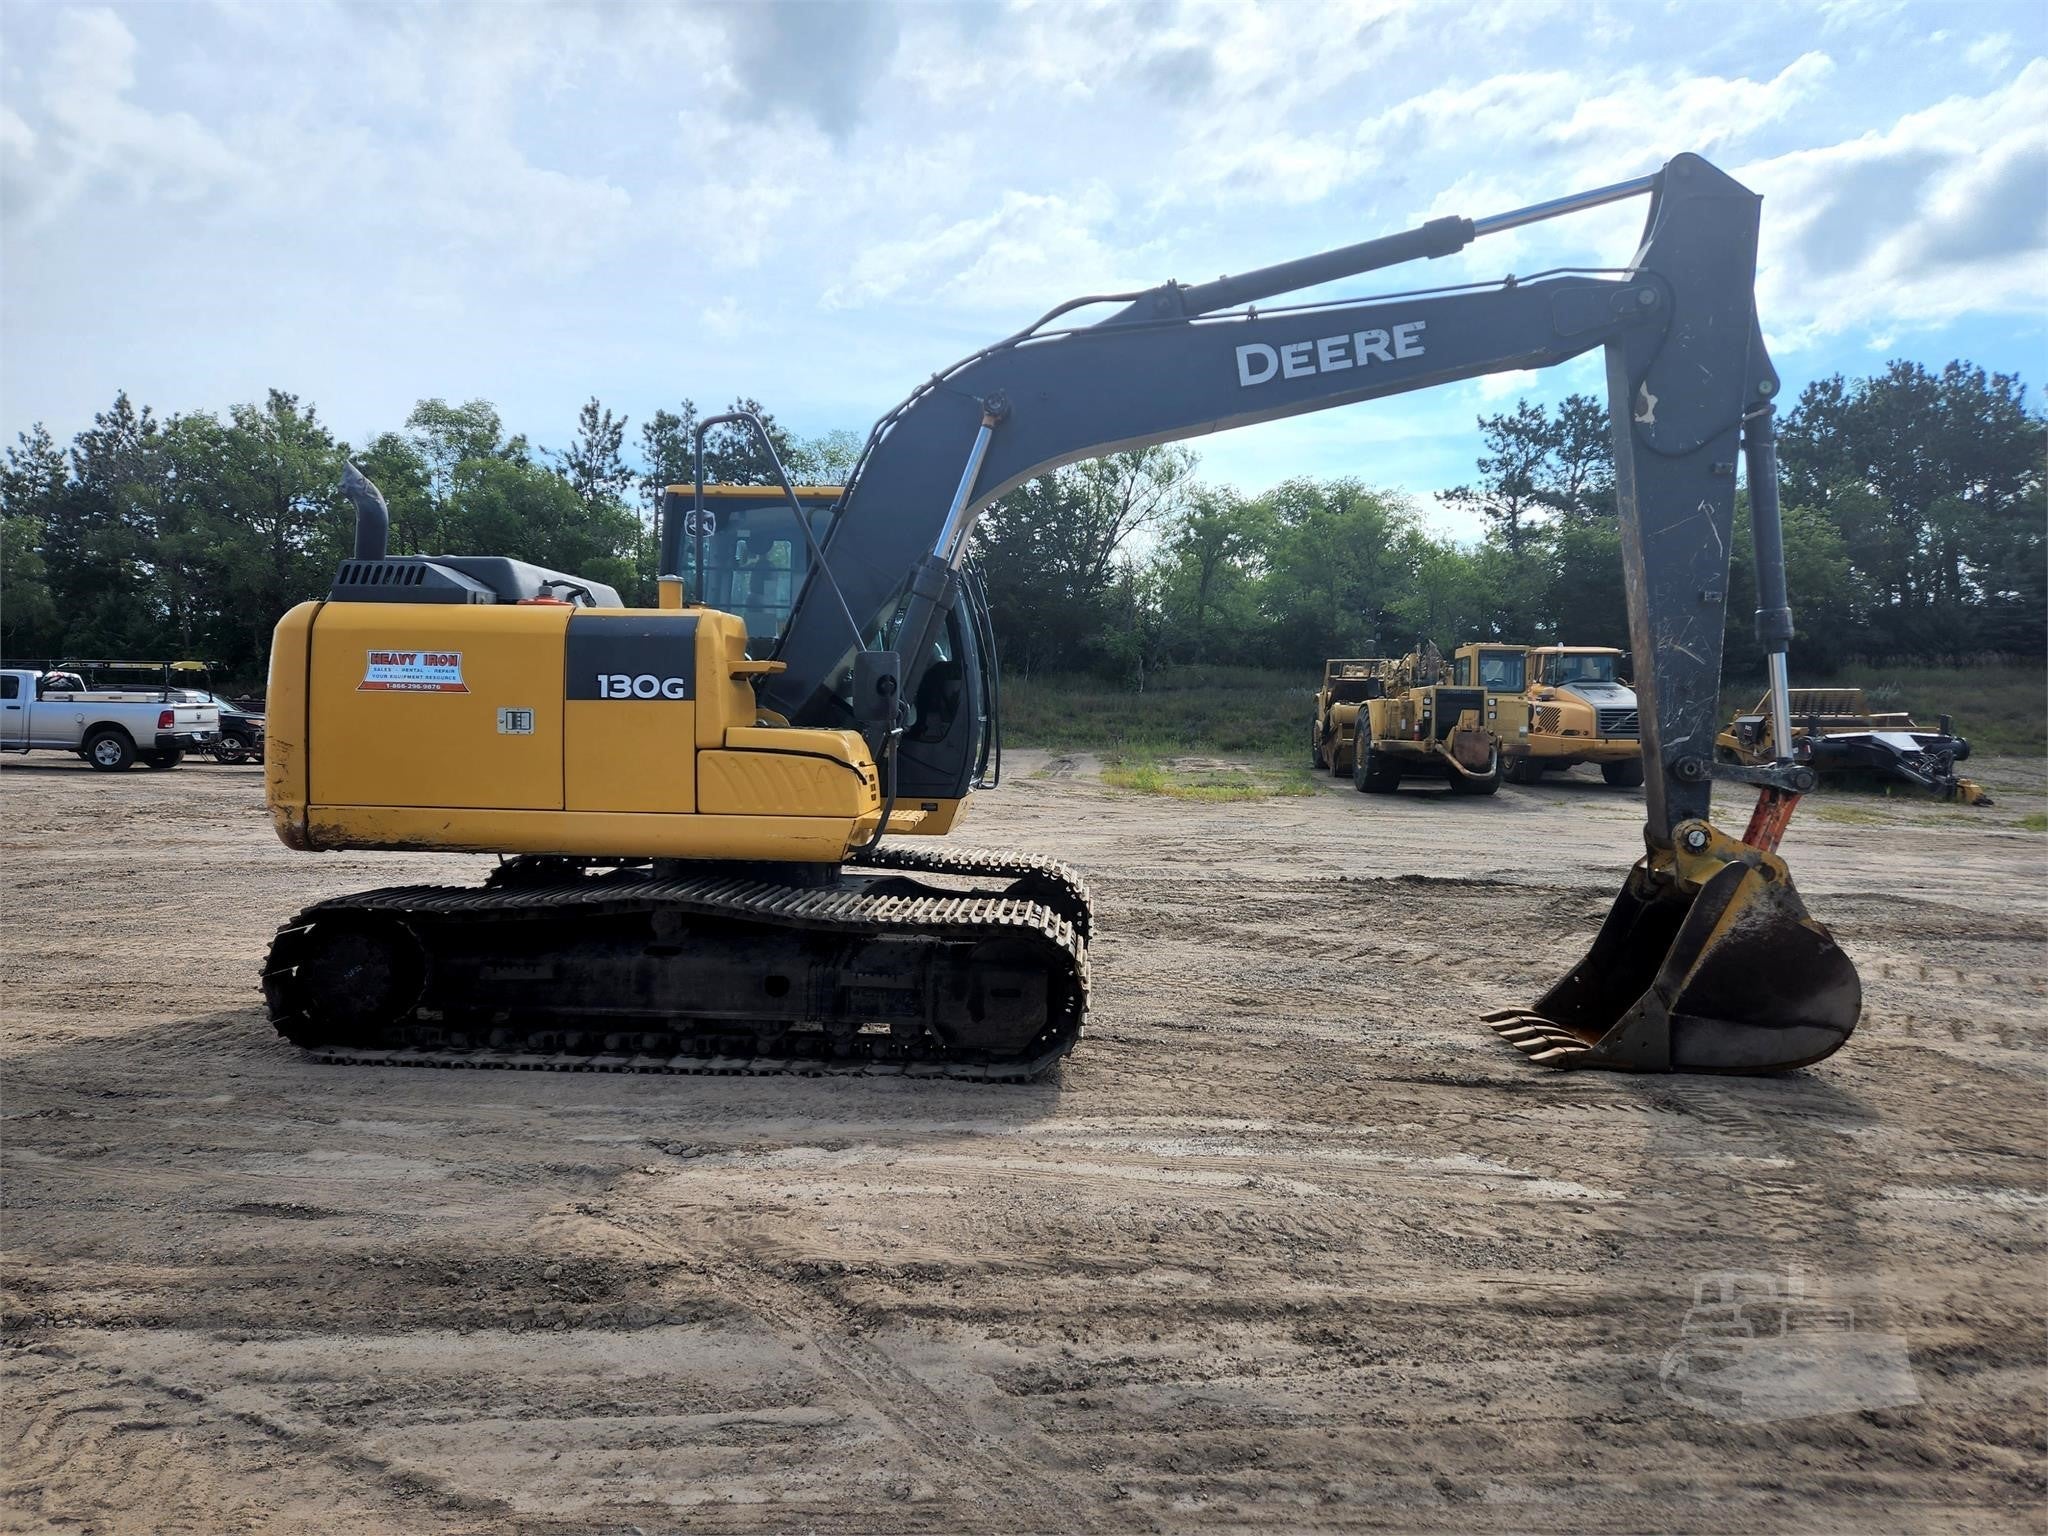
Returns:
(1708,962)
(350,978)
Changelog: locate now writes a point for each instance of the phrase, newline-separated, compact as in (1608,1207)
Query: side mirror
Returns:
(877,687)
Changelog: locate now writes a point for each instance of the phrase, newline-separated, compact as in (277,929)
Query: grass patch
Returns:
(1229,711)
(1847,815)
(2037,822)
(1214,784)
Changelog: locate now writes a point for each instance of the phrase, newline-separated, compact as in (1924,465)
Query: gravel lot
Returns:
(1290,1243)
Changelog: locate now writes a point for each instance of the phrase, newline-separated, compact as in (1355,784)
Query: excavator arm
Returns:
(1685,364)
(1742,981)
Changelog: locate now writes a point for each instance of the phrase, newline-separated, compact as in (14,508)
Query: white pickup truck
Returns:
(112,729)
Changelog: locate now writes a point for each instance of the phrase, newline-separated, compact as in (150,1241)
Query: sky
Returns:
(821,204)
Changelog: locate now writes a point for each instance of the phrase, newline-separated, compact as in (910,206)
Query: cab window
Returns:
(755,562)
(1461,674)
(1582,669)
(1502,671)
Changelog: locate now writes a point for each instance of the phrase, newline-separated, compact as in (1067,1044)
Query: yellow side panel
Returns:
(429,732)
(723,701)
(935,817)
(631,834)
(284,755)
(630,755)
(782,783)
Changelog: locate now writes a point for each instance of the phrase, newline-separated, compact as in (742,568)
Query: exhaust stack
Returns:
(373,518)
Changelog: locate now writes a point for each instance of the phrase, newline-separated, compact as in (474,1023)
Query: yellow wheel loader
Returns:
(1425,725)
(1348,681)
(708,811)
(1577,710)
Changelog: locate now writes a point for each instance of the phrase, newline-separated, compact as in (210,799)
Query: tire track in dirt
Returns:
(1009,1493)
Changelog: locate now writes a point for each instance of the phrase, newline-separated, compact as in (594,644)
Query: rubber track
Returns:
(967,917)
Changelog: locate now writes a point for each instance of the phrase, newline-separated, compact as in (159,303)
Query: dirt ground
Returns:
(1290,1243)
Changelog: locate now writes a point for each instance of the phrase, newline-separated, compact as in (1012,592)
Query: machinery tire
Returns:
(1367,775)
(1624,775)
(166,759)
(1337,768)
(1522,770)
(1315,751)
(109,750)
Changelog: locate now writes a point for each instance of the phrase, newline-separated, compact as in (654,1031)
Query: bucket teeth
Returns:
(1537,1038)
(1710,966)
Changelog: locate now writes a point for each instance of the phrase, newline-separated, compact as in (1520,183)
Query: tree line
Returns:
(1913,509)
(188,536)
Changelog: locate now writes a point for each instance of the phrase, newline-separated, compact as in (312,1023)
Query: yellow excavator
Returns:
(708,812)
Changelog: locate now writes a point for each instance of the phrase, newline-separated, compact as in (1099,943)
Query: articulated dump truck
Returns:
(1578,711)
(1348,681)
(1425,725)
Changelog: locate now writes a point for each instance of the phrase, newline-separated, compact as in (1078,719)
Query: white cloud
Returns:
(725,318)
(1903,229)
(1989,52)
(1031,251)
(94,130)
(720,199)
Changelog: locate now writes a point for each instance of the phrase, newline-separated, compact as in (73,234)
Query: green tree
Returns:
(594,463)
(826,459)
(1509,493)
(34,480)
(733,454)
(1208,566)
(283,524)
(1342,556)
(1050,549)
(397,466)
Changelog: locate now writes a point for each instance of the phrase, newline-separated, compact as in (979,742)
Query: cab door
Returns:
(13,714)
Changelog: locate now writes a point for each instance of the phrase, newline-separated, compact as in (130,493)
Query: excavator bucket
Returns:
(1708,962)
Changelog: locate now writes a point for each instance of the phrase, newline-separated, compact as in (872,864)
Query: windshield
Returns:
(1503,671)
(1569,668)
(755,561)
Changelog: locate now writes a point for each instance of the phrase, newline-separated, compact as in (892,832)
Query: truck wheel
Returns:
(169,758)
(230,749)
(1624,775)
(1369,773)
(1522,770)
(110,750)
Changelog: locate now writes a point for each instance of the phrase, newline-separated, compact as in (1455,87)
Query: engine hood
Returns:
(1602,695)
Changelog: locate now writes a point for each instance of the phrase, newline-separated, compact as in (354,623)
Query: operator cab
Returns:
(756,564)
(1496,668)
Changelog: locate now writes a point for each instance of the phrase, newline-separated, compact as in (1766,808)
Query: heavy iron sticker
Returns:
(413,672)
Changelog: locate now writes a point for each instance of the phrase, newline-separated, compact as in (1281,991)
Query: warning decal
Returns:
(413,672)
